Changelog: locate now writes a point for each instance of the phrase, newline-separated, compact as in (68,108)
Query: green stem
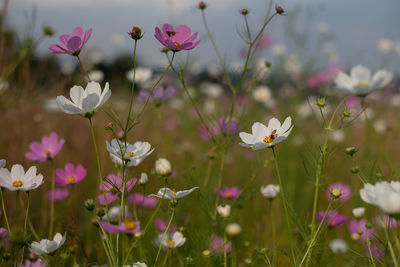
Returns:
(165,232)
(4,209)
(166,257)
(390,247)
(272,214)
(83,68)
(53,185)
(225,253)
(371,257)
(284,202)
(26,220)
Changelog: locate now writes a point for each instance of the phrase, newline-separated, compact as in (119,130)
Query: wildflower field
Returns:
(266,162)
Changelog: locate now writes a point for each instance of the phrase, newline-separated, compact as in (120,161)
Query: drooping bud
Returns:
(202,5)
(279,10)
(355,169)
(351,151)
(244,11)
(89,204)
(48,31)
(136,33)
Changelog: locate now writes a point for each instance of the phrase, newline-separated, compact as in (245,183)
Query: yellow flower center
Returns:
(71,179)
(228,195)
(131,154)
(130,225)
(47,153)
(269,139)
(336,193)
(363,85)
(170,33)
(17,183)
(177,44)
(174,192)
(171,243)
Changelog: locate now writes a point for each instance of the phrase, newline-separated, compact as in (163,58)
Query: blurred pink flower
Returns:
(338,192)
(217,246)
(159,93)
(71,44)
(58,194)
(70,174)
(376,251)
(28,263)
(325,75)
(3,232)
(141,200)
(161,226)
(47,149)
(358,230)
(220,128)
(264,42)
(332,218)
(229,192)
(176,39)
(113,186)
(127,227)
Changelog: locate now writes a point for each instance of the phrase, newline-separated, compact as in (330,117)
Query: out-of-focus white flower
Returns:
(163,167)
(136,264)
(96,76)
(67,67)
(261,69)
(337,136)
(233,229)
(224,211)
(51,105)
(385,45)
(293,64)
(114,213)
(395,100)
(358,212)
(18,179)
(167,193)
(133,154)
(262,94)
(2,163)
(213,70)
(176,103)
(95,57)
(47,246)
(380,126)
(263,136)
(196,69)
(361,82)
(142,75)
(322,27)
(4,85)
(385,195)
(117,39)
(171,241)
(144,179)
(338,246)
(236,67)
(278,49)
(213,90)
(210,106)
(84,101)
(270,191)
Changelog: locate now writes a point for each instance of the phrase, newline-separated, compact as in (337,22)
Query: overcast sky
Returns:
(356,25)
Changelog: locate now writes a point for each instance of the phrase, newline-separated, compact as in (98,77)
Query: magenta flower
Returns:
(71,44)
(338,192)
(264,42)
(229,192)
(332,218)
(376,251)
(217,246)
(176,39)
(386,221)
(3,232)
(58,194)
(325,75)
(221,128)
(47,149)
(28,263)
(358,231)
(113,186)
(127,227)
(70,174)
(161,226)
(142,200)
(159,93)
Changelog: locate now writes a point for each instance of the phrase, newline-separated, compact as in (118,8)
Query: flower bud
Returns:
(163,167)
(263,251)
(109,126)
(244,11)
(64,256)
(100,212)
(346,113)
(48,31)
(379,175)
(136,33)
(6,256)
(248,262)
(351,151)
(321,102)
(144,179)
(358,212)
(279,10)
(233,229)
(188,261)
(89,204)
(355,169)
(368,225)
(202,5)
(206,253)
(224,211)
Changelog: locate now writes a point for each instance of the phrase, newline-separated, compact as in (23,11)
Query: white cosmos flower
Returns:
(47,246)
(167,193)
(137,264)
(171,241)
(134,154)
(17,179)
(2,163)
(84,100)
(384,195)
(361,82)
(224,211)
(163,167)
(142,75)
(263,136)
(96,76)
(358,212)
(270,191)
(338,246)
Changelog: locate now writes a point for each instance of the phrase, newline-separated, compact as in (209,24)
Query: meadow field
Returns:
(268,160)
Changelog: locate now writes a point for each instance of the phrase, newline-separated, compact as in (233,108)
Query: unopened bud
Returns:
(244,11)
(89,204)
(279,10)
(109,126)
(144,179)
(321,102)
(202,5)
(379,175)
(64,256)
(368,225)
(248,262)
(206,253)
(358,212)
(346,113)
(136,33)
(48,31)
(163,167)
(233,229)
(351,150)
(100,212)
(355,169)
(189,261)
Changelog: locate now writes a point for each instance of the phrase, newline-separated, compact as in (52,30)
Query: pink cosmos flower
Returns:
(386,221)
(113,187)
(71,44)
(161,226)
(324,75)
(338,192)
(217,246)
(332,218)
(28,263)
(47,149)
(70,174)
(376,251)
(159,94)
(58,194)
(220,128)
(358,230)
(127,227)
(3,232)
(142,200)
(176,39)
(229,192)
(264,42)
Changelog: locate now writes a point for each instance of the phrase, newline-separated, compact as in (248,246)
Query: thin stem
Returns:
(284,201)
(4,209)
(26,219)
(220,176)
(225,252)
(83,68)
(371,258)
(165,232)
(166,257)
(272,214)
(390,247)
(133,89)
(53,185)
